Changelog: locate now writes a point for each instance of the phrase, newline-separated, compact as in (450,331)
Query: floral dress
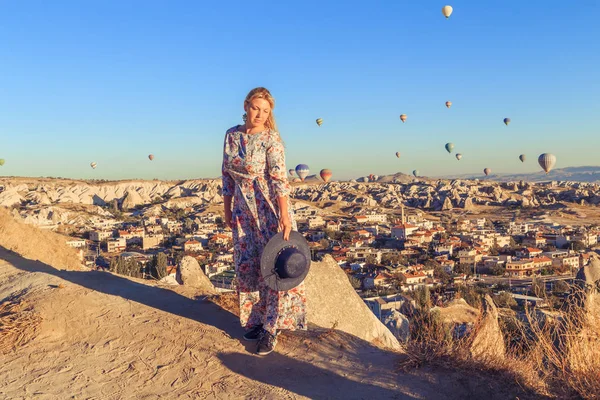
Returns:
(254,173)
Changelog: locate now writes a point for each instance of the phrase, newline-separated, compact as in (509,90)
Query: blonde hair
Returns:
(263,93)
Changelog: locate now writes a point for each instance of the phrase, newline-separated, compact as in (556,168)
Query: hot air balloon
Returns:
(522,157)
(1,162)
(447,11)
(449,147)
(398,154)
(319,121)
(487,171)
(375,177)
(325,175)
(416,172)
(448,104)
(506,121)
(151,157)
(371,177)
(291,171)
(302,171)
(403,117)
(458,156)
(93,165)
(547,161)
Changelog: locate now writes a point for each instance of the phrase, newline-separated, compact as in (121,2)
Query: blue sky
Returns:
(113,81)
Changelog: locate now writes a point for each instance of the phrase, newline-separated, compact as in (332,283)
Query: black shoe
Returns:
(266,344)
(254,334)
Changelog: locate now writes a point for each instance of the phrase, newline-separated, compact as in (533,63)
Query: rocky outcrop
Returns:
(399,325)
(590,274)
(437,195)
(332,302)
(488,342)
(190,274)
(131,200)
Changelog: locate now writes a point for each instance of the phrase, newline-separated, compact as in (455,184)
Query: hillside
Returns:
(590,174)
(98,335)
(62,203)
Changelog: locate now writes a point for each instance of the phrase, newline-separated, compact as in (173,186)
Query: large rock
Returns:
(590,274)
(333,302)
(398,324)
(190,274)
(457,312)
(488,343)
(131,200)
(468,205)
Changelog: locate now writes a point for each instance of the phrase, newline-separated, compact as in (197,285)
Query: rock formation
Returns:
(488,342)
(399,325)
(190,274)
(332,302)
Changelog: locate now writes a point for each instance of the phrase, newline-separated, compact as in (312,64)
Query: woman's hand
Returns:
(227,211)
(228,219)
(285,226)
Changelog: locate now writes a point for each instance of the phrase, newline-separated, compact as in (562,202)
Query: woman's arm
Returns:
(228,188)
(278,175)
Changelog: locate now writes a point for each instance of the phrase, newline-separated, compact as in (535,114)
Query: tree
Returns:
(423,297)
(333,234)
(324,243)
(355,282)
(114,206)
(346,235)
(177,257)
(505,300)
(158,266)
(494,250)
(371,259)
(188,225)
(462,269)
(497,270)
(390,258)
(578,245)
(440,273)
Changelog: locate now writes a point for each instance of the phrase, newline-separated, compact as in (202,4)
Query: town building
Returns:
(192,246)
(402,231)
(77,243)
(521,268)
(116,245)
(98,236)
(152,241)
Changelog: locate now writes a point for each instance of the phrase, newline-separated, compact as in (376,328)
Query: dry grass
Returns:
(18,325)
(552,357)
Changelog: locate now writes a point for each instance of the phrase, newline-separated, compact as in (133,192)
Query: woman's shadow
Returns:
(206,312)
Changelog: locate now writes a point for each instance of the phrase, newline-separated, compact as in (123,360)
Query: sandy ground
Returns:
(103,336)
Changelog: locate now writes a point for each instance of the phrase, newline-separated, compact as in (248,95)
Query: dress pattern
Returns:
(254,173)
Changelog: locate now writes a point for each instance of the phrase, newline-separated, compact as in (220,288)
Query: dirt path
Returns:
(107,337)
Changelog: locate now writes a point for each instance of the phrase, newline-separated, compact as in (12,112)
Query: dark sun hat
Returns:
(285,264)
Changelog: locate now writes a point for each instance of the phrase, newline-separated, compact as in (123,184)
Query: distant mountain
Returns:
(573,174)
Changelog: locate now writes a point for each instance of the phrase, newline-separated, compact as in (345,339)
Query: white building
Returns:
(315,222)
(403,230)
(152,241)
(76,243)
(116,245)
(192,245)
(518,228)
(98,236)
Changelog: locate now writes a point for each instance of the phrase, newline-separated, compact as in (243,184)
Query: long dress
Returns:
(254,173)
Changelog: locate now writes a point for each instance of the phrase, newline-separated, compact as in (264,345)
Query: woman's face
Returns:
(258,111)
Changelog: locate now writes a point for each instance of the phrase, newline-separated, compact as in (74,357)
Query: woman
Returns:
(254,177)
